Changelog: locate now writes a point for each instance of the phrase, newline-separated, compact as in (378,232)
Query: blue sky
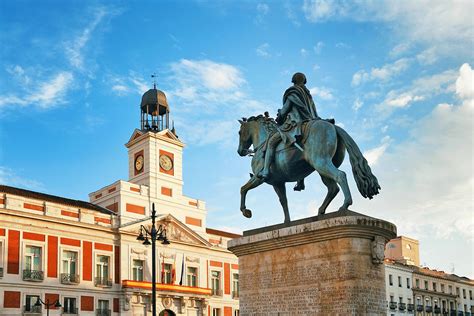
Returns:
(397,75)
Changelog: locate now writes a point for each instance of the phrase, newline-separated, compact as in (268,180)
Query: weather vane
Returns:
(154,80)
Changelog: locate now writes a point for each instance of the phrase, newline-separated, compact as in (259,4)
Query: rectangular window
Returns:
(216,283)
(102,271)
(470,294)
(408,283)
(69,306)
(426,285)
(442,288)
(33,258)
(457,291)
(192,276)
(236,312)
(216,312)
(399,281)
(30,301)
(400,300)
(390,279)
(434,286)
(464,293)
(417,283)
(391,298)
(166,276)
(235,285)
(103,308)
(69,262)
(137,270)
(450,287)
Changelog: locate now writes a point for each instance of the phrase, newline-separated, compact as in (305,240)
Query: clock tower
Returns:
(155,151)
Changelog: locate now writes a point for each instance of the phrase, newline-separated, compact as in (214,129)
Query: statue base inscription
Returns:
(325,265)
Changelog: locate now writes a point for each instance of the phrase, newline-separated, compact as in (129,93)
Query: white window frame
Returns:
(103,299)
(143,268)
(195,266)
(78,259)
(221,273)
(77,298)
(33,243)
(2,254)
(109,254)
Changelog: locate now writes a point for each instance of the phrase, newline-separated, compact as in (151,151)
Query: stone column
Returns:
(324,265)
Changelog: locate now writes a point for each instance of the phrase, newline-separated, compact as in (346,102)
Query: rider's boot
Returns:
(265,173)
(299,185)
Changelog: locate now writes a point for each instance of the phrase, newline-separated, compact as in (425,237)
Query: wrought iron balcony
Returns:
(33,275)
(67,278)
(452,312)
(410,307)
(32,310)
(70,311)
(437,310)
(235,294)
(216,292)
(419,308)
(429,309)
(1,272)
(103,282)
(393,305)
(102,312)
(402,306)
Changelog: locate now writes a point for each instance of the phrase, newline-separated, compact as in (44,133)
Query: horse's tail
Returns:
(366,181)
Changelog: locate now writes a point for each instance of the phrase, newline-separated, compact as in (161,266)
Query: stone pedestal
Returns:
(324,265)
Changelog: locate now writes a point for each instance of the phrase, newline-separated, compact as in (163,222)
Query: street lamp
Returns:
(154,234)
(56,304)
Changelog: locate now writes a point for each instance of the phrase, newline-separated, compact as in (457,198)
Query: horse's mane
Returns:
(268,122)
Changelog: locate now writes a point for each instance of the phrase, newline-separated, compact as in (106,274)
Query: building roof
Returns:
(53,198)
(222,233)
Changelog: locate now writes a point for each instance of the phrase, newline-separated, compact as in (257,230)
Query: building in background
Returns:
(86,254)
(415,290)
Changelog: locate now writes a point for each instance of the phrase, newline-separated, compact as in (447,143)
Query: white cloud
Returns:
(403,100)
(428,56)
(44,94)
(322,93)
(357,104)
(11,178)
(383,73)
(373,155)
(343,45)
(74,49)
(19,74)
(421,21)
(400,49)
(262,50)
(429,177)
(303,52)
(290,13)
(263,8)
(318,47)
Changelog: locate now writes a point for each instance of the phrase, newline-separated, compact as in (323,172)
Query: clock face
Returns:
(139,163)
(166,163)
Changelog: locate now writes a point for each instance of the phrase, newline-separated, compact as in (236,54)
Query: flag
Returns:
(182,272)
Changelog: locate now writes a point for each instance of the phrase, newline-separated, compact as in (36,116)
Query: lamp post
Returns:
(154,234)
(47,304)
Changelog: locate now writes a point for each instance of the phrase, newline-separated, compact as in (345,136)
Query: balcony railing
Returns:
(437,310)
(33,275)
(31,310)
(419,308)
(429,309)
(410,307)
(102,312)
(216,292)
(1,272)
(452,312)
(460,313)
(70,311)
(235,294)
(393,305)
(103,282)
(67,278)
(402,306)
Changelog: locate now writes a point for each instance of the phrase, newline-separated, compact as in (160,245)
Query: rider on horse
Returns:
(298,107)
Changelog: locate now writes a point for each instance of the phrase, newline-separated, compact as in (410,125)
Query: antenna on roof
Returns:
(154,80)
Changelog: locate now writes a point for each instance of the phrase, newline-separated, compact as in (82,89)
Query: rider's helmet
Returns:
(299,78)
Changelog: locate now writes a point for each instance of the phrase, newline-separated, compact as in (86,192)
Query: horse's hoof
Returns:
(321,212)
(343,209)
(247,213)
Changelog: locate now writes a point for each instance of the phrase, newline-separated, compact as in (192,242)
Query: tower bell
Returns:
(155,113)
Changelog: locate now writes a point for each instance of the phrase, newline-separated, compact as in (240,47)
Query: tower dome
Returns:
(154,110)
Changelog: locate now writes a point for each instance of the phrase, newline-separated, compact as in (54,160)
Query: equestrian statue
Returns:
(296,143)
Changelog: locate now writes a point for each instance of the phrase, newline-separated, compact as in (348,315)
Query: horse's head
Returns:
(245,137)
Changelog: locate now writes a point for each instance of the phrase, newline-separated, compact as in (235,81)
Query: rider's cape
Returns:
(298,108)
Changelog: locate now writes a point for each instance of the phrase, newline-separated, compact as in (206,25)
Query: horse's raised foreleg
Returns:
(280,190)
(333,189)
(251,184)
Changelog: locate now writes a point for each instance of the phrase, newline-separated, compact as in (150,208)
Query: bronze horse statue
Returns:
(324,145)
